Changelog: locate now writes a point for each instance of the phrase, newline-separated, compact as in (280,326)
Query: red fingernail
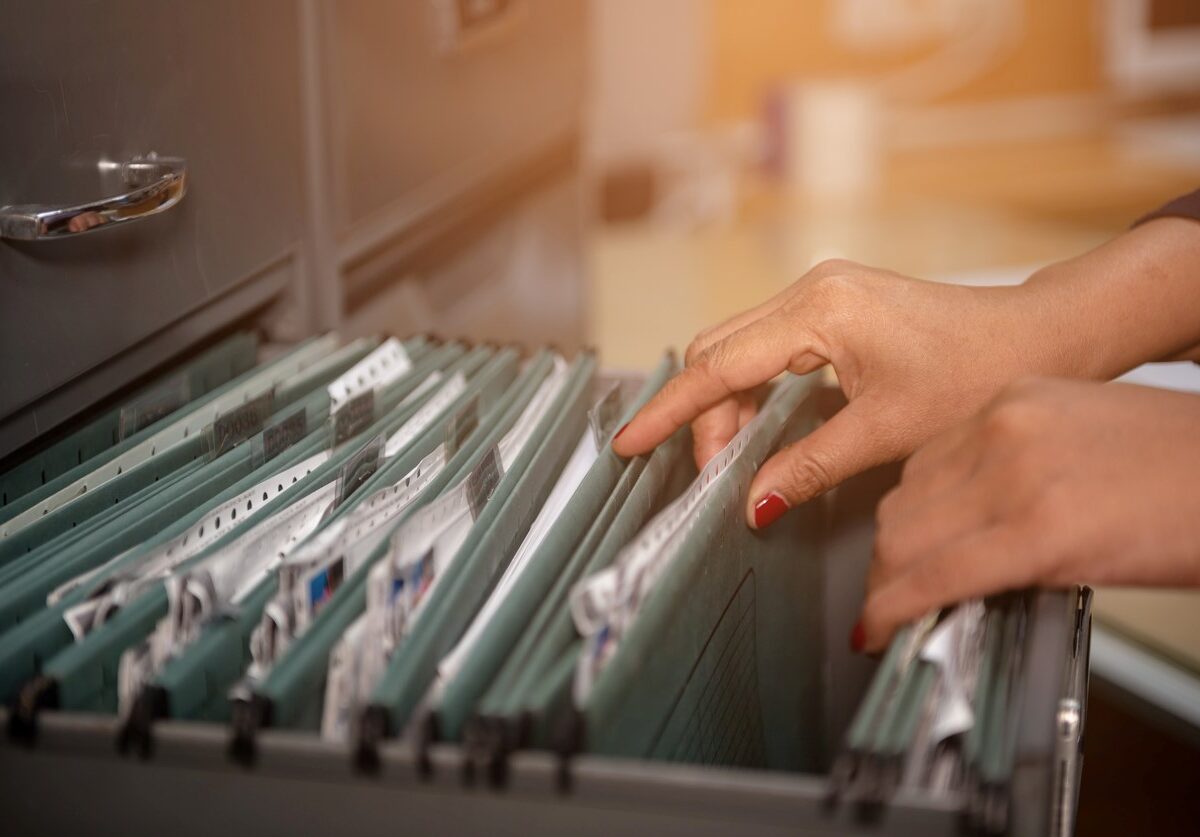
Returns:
(617,435)
(858,638)
(769,509)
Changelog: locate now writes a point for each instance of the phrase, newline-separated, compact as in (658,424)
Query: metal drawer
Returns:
(214,83)
(186,780)
(428,100)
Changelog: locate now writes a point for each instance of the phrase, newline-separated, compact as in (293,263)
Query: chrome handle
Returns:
(155,185)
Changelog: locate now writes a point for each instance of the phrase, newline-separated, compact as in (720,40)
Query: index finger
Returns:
(750,356)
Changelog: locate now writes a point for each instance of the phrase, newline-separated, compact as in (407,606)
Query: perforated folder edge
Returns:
(612,725)
(313,348)
(513,659)
(58,562)
(616,527)
(100,650)
(295,679)
(109,500)
(306,388)
(43,558)
(43,634)
(214,367)
(486,553)
(26,594)
(528,705)
(488,655)
(391,416)
(61,545)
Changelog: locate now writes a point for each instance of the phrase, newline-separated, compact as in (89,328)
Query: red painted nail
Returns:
(858,638)
(769,509)
(621,430)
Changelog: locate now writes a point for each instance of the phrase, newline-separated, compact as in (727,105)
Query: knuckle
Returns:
(809,475)
(696,348)
(827,285)
(1011,418)
(832,267)
(710,361)
(704,362)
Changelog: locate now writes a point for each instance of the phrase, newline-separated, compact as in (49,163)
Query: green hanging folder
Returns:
(21,653)
(507,704)
(51,550)
(27,593)
(292,691)
(504,628)
(120,528)
(85,672)
(315,409)
(199,679)
(72,520)
(152,403)
(481,560)
(286,379)
(549,698)
(144,444)
(106,497)
(701,658)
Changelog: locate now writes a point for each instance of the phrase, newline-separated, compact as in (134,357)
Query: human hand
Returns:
(912,357)
(1054,483)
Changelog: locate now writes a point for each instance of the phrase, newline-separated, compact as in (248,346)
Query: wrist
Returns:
(1133,300)
(1042,332)
(1066,329)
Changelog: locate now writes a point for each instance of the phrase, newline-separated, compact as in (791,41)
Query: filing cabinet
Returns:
(88,87)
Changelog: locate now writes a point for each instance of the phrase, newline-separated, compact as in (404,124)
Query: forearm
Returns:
(1134,300)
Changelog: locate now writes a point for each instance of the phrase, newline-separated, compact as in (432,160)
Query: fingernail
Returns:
(621,430)
(858,638)
(769,509)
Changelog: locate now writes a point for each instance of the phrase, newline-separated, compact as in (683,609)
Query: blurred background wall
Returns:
(733,143)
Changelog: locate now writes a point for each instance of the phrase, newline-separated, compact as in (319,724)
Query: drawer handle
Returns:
(155,185)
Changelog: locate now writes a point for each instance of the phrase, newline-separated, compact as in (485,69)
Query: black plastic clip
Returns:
(487,742)
(372,729)
(570,739)
(249,715)
(39,693)
(137,730)
(498,744)
(475,735)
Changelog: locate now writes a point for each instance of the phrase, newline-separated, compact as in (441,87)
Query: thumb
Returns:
(847,444)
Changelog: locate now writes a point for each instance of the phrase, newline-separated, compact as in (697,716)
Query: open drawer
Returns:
(768,718)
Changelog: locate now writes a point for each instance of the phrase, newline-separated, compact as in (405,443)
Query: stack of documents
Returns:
(384,539)
(943,714)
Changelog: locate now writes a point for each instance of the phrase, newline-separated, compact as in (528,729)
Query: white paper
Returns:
(382,367)
(577,467)
(954,647)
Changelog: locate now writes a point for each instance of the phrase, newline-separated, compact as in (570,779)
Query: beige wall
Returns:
(756,43)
